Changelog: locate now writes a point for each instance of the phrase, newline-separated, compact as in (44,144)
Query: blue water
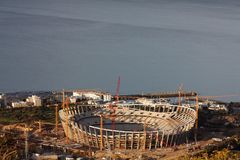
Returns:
(154,45)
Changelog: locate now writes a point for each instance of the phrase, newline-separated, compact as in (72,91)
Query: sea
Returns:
(153,45)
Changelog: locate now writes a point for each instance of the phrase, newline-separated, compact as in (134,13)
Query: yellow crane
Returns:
(65,105)
(180,91)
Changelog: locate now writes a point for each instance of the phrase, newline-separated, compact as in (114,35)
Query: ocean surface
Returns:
(154,45)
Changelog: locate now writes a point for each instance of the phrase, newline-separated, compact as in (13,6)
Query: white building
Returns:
(3,101)
(73,99)
(20,104)
(87,95)
(218,107)
(34,100)
(106,97)
(90,95)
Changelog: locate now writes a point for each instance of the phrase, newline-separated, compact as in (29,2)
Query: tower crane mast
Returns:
(115,105)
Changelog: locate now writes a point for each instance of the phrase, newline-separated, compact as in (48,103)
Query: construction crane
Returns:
(26,134)
(180,90)
(196,121)
(65,106)
(113,107)
(56,118)
(117,90)
(112,116)
(26,141)
(101,132)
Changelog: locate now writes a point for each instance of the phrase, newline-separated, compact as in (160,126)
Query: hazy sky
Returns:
(154,45)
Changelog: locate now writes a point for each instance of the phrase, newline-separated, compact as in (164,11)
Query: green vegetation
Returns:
(27,115)
(224,154)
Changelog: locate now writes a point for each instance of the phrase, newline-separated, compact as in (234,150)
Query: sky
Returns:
(154,45)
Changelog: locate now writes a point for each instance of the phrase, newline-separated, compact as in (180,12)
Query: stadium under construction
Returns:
(125,125)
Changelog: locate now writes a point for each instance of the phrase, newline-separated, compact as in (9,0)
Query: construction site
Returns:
(150,124)
(165,125)
(128,126)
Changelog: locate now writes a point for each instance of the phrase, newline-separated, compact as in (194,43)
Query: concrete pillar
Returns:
(96,138)
(167,140)
(92,141)
(126,138)
(161,144)
(119,140)
(156,143)
(150,141)
(132,141)
(138,143)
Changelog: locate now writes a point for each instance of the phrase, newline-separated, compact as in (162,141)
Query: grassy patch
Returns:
(27,115)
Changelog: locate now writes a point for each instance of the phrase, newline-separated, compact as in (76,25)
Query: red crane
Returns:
(117,90)
(115,104)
